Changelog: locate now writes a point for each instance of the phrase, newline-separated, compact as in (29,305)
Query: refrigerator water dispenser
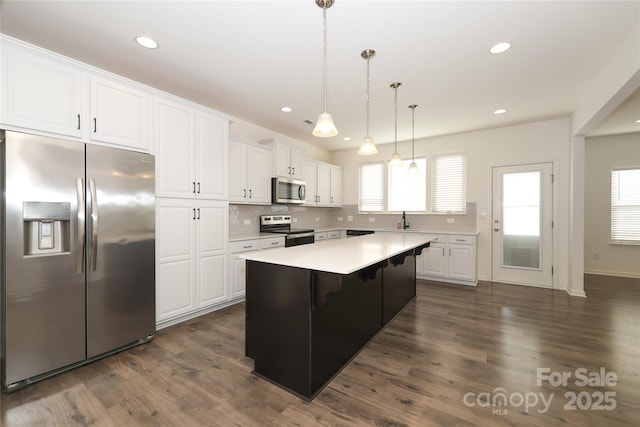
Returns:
(47,227)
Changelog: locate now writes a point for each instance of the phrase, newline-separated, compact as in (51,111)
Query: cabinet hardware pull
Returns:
(194,187)
(289,169)
(245,193)
(250,193)
(247,247)
(293,171)
(198,213)
(194,214)
(95,125)
(78,121)
(198,188)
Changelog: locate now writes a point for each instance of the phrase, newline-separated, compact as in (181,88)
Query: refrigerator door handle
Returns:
(80,229)
(93,254)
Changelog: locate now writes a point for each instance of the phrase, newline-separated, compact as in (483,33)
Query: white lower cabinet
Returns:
(191,244)
(449,258)
(237,265)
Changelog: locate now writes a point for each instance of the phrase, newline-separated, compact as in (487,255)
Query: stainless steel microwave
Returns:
(287,190)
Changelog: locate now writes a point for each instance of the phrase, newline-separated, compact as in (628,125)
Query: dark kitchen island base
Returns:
(303,326)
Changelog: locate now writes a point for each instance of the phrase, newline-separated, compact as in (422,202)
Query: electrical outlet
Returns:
(451,220)
(339,219)
(294,219)
(247,222)
(317,219)
(372,219)
(349,217)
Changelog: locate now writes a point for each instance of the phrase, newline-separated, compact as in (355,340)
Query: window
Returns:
(407,192)
(449,183)
(625,206)
(371,192)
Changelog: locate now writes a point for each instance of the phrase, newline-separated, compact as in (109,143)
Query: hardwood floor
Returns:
(443,361)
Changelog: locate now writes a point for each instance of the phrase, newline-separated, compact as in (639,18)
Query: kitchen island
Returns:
(310,309)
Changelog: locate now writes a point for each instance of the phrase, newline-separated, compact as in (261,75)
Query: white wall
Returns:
(546,141)
(602,155)
(242,131)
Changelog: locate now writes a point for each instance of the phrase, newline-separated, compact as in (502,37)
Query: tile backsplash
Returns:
(245,219)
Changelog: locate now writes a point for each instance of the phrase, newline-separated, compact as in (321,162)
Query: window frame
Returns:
(635,208)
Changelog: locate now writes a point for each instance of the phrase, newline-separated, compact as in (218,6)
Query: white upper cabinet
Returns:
(119,114)
(191,151)
(48,94)
(287,160)
(323,184)
(336,186)
(249,174)
(41,93)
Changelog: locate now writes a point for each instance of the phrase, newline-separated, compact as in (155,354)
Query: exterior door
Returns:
(523,224)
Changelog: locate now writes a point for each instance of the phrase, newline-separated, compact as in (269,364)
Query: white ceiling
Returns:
(249,58)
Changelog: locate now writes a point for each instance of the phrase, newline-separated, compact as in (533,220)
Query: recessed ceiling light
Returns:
(346,138)
(500,47)
(500,111)
(285,109)
(147,42)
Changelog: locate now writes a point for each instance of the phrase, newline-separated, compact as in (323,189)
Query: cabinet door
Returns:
(310,181)
(211,243)
(434,261)
(174,135)
(237,172)
(282,159)
(461,262)
(40,93)
(258,176)
(175,250)
(295,161)
(119,115)
(323,184)
(212,135)
(238,275)
(336,186)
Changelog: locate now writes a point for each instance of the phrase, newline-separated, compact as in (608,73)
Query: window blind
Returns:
(625,206)
(449,183)
(371,194)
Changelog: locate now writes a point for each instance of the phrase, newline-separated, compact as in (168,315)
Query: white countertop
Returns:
(342,256)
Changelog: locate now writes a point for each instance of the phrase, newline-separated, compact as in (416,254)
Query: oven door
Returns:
(299,239)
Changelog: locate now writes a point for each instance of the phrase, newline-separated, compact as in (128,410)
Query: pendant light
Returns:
(367,147)
(396,160)
(324,126)
(413,168)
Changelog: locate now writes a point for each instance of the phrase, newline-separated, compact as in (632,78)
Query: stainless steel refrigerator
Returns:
(78,270)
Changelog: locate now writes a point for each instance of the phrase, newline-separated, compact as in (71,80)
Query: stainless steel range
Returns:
(281,224)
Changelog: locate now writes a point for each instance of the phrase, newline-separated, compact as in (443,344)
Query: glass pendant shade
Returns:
(324,126)
(396,160)
(367,147)
(413,169)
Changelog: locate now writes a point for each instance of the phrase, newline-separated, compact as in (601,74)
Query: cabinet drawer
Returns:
(321,236)
(333,234)
(439,238)
(245,246)
(462,240)
(273,242)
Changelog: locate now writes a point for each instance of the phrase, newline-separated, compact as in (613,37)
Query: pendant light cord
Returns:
(413,113)
(396,120)
(367,97)
(324,18)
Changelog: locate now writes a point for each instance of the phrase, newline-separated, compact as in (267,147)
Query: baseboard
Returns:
(613,273)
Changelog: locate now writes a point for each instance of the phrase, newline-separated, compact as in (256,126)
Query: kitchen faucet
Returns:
(405,224)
